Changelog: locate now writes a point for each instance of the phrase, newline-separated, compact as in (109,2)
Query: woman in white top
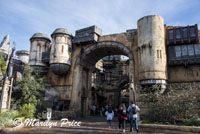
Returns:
(109,116)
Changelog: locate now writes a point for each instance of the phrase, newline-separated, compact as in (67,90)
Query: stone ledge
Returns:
(171,127)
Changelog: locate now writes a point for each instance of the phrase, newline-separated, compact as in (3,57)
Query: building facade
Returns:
(157,54)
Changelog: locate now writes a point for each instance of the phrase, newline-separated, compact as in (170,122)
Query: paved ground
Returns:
(92,125)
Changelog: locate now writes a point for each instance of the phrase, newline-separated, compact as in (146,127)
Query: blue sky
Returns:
(22,18)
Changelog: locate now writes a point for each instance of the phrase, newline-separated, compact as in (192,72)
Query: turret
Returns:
(61,49)
(23,56)
(39,43)
(152,51)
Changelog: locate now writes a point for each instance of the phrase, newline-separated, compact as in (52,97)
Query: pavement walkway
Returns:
(91,125)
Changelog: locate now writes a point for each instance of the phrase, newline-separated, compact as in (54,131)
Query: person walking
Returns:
(122,116)
(109,116)
(133,116)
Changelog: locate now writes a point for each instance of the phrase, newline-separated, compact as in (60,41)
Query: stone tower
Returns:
(40,43)
(61,49)
(152,51)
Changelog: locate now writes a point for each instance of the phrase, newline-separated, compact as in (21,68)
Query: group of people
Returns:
(95,110)
(124,113)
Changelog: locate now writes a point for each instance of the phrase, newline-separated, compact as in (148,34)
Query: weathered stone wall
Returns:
(145,102)
(191,73)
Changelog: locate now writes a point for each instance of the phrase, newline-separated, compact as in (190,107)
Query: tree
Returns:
(31,89)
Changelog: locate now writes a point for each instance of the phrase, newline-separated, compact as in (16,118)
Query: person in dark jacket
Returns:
(122,117)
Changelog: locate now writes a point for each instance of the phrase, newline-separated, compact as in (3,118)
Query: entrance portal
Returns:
(104,75)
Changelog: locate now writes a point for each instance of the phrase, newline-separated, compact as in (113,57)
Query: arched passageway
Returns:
(85,66)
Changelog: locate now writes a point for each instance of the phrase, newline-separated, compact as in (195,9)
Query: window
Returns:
(197,49)
(178,51)
(192,32)
(184,50)
(159,53)
(171,37)
(190,50)
(182,35)
(185,33)
(178,34)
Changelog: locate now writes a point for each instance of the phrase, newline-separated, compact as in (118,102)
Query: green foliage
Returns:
(6,118)
(194,121)
(2,65)
(27,110)
(31,89)
(172,107)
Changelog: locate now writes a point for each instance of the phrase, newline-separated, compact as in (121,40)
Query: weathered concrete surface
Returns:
(151,48)
(184,74)
(61,49)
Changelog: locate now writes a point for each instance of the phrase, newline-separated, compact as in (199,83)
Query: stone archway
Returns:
(84,67)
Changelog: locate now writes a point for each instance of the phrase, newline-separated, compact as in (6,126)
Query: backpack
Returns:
(134,110)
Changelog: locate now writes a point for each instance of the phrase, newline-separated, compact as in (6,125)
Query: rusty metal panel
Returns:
(89,30)
(177,35)
(88,34)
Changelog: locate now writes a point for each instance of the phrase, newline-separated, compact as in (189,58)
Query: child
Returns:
(109,115)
